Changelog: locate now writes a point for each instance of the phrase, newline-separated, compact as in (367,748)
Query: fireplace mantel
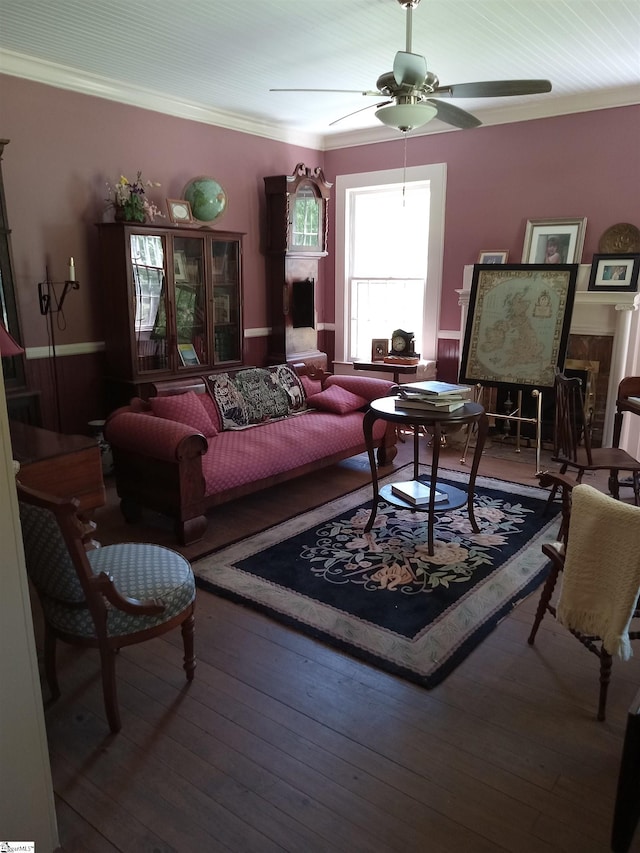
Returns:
(594,313)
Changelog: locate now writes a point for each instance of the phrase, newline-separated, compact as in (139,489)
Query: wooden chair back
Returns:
(571,430)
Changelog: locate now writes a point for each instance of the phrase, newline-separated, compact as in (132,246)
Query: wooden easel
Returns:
(514,416)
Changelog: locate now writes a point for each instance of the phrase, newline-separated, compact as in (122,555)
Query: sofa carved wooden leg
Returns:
(187,629)
(191,530)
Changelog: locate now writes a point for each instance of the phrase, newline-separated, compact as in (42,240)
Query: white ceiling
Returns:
(215,61)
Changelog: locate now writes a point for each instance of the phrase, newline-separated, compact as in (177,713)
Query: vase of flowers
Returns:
(129,200)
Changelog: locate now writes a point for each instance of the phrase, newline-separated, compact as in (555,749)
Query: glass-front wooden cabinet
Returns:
(172,306)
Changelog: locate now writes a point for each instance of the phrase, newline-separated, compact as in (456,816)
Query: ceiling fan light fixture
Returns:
(406,116)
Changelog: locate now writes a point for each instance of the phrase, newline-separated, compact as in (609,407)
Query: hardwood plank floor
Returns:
(283,744)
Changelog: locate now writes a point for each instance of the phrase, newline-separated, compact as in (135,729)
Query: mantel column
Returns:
(624,313)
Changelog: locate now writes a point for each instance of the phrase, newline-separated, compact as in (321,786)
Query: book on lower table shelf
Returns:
(415,492)
(421,405)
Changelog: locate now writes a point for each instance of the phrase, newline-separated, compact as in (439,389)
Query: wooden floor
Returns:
(281,743)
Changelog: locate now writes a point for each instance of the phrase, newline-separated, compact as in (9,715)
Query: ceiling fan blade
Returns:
(495,89)
(454,115)
(346,91)
(409,69)
(355,112)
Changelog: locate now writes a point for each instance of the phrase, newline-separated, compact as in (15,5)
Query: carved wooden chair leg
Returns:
(554,491)
(545,598)
(108,661)
(606,662)
(50,662)
(187,629)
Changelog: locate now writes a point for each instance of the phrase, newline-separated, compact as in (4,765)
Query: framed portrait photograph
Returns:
(554,241)
(493,256)
(615,273)
(379,349)
(179,210)
(518,324)
(180,273)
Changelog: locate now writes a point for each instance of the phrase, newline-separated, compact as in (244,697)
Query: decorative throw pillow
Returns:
(185,408)
(290,382)
(311,386)
(336,399)
(264,396)
(230,402)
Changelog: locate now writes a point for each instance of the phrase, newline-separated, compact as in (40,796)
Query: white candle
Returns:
(72,270)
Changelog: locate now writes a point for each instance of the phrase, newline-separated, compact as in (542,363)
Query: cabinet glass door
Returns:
(150,324)
(226,300)
(190,301)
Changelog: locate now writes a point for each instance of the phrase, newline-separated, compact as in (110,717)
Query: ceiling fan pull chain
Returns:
(404,168)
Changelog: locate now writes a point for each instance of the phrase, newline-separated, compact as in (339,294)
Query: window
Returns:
(389,236)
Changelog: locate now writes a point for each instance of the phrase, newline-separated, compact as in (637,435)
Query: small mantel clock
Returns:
(297,225)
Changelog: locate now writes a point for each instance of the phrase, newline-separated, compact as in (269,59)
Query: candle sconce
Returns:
(50,304)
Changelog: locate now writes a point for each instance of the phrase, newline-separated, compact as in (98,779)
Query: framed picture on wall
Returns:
(615,273)
(554,241)
(518,324)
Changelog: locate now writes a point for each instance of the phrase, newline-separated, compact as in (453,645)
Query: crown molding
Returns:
(64,77)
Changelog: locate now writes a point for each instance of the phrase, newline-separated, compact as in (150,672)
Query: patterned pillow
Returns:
(263,394)
(336,399)
(289,380)
(230,402)
(185,408)
(311,386)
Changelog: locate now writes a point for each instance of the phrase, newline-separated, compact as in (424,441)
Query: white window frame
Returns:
(436,174)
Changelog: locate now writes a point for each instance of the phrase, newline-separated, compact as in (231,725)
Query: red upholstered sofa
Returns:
(206,440)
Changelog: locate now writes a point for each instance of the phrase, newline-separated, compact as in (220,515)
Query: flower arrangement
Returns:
(129,198)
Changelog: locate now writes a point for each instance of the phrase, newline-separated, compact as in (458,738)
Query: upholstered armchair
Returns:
(107,597)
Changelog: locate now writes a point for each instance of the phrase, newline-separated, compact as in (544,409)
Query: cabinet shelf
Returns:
(163,289)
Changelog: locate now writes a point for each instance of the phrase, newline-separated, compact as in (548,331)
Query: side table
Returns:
(470,413)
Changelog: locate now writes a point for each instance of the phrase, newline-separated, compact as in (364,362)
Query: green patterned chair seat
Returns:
(138,571)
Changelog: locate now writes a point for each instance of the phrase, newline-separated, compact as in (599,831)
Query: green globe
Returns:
(207,198)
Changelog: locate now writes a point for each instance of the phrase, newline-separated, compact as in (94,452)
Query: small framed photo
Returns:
(180,273)
(379,349)
(493,256)
(179,210)
(615,273)
(554,241)
(188,355)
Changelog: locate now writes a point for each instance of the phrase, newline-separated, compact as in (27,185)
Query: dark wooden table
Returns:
(437,423)
(67,466)
(397,370)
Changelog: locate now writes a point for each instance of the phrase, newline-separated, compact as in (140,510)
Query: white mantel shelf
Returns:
(594,313)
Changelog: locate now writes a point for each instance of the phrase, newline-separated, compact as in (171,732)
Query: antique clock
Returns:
(402,344)
(296,242)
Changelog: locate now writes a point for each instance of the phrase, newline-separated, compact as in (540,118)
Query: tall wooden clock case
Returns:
(297,226)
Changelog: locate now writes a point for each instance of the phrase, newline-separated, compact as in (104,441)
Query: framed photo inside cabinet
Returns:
(379,349)
(615,273)
(188,355)
(553,241)
(180,273)
(517,324)
(493,256)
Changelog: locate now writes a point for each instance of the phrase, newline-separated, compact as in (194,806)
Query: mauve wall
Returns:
(65,146)
(498,177)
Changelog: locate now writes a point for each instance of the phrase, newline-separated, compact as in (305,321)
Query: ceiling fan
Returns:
(414,94)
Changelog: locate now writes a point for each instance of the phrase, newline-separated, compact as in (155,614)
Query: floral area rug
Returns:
(379,596)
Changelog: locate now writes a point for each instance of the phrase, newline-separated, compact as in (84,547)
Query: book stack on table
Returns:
(433,396)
